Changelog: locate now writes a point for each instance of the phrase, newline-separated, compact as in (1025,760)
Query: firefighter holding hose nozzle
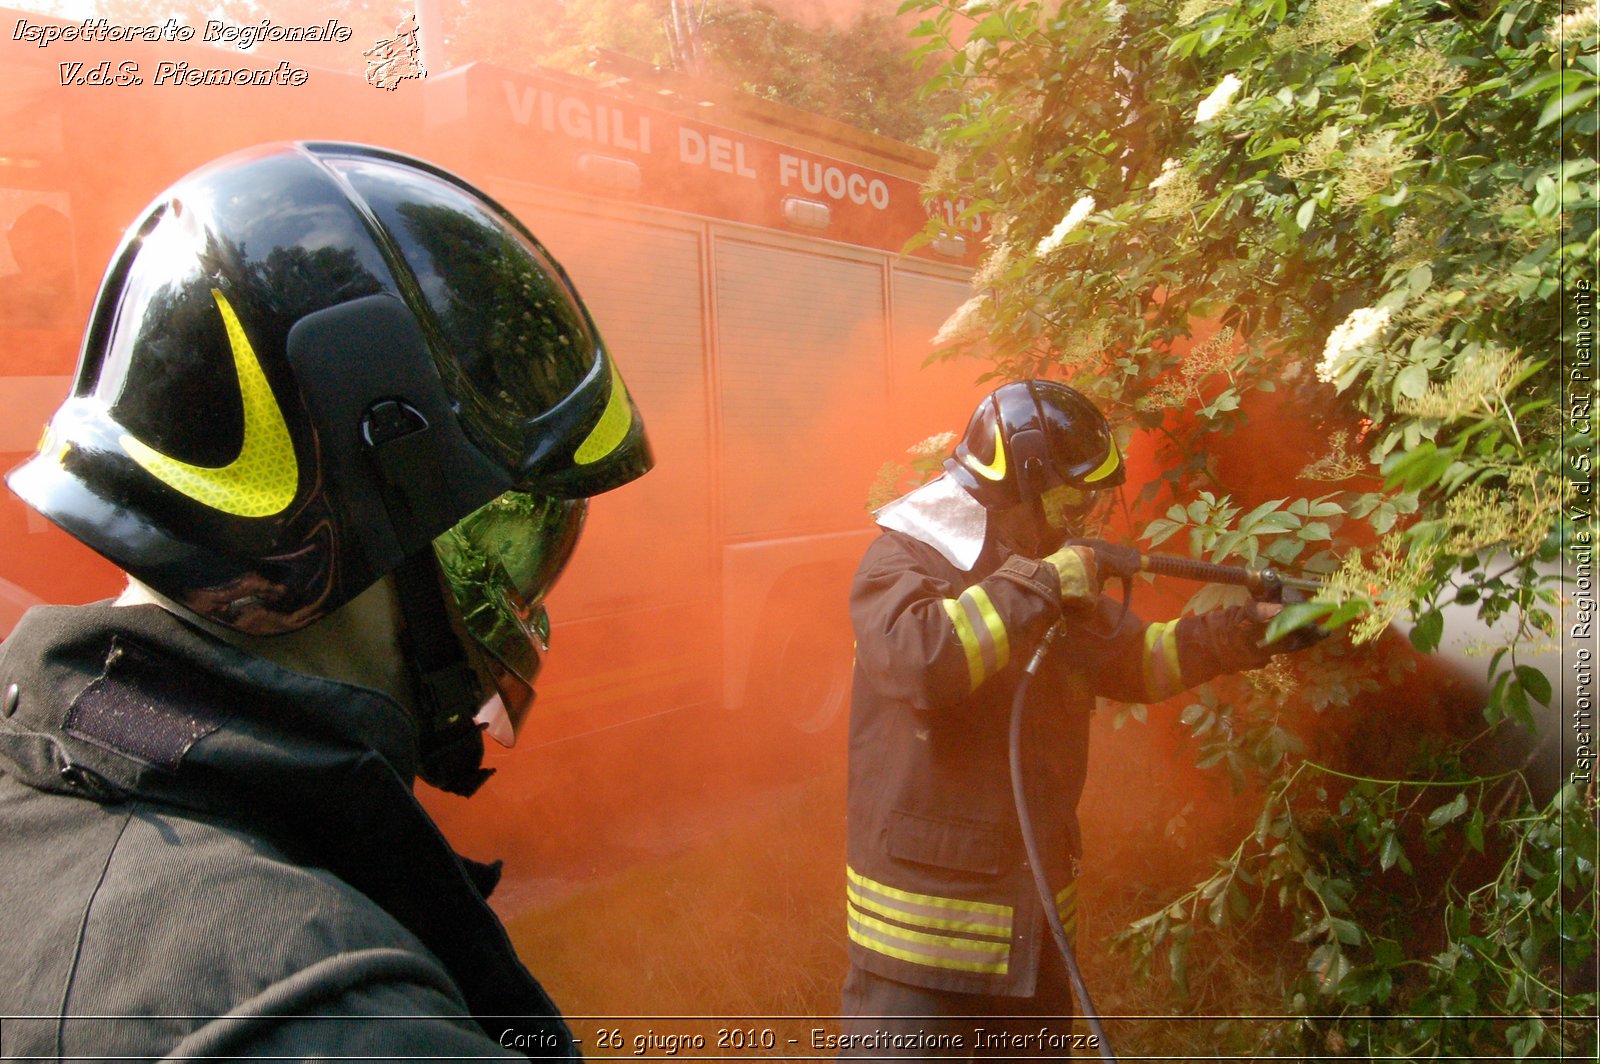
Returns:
(947,915)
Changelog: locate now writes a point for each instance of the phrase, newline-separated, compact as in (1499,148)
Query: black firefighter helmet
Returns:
(1036,442)
(306,363)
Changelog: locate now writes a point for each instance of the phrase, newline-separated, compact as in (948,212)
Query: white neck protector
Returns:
(942,515)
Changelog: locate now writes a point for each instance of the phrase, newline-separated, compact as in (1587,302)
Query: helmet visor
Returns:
(499,562)
(1072,511)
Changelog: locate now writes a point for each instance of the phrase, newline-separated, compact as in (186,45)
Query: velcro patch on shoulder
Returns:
(142,708)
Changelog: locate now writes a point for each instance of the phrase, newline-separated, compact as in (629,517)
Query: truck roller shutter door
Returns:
(650,540)
(801,343)
(934,398)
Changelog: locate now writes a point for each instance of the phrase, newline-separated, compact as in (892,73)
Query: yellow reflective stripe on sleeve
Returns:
(981,632)
(934,951)
(927,910)
(996,627)
(613,426)
(1162,677)
(968,639)
(988,627)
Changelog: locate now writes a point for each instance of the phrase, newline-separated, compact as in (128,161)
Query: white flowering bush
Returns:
(1377,216)
(1218,101)
(1075,214)
(1351,335)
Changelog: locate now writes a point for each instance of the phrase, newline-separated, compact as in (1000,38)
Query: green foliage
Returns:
(1488,975)
(855,72)
(1372,216)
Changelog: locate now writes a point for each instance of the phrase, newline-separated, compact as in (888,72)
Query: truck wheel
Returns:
(805,662)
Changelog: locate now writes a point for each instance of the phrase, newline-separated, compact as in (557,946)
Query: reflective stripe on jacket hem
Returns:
(1067,909)
(935,951)
(873,905)
(929,910)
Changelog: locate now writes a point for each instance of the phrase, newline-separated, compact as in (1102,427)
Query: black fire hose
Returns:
(1047,899)
(1266,585)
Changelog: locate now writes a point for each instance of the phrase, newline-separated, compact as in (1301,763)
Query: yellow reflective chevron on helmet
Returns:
(995,470)
(613,426)
(263,479)
(1107,467)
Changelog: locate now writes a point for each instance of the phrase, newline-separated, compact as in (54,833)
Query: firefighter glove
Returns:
(1307,635)
(1078,572)
(1111,559)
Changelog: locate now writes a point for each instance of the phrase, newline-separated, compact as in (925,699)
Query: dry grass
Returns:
(749,924)
(746,926)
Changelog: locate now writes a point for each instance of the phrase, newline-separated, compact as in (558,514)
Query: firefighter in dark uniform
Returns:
(337,415)
(948,605)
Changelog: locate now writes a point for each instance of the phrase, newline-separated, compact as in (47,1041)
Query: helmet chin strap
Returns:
(450,741)
(445,685)
(1045,537)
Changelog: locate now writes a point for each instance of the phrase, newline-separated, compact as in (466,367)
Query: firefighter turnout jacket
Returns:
(208,856)
(940,894)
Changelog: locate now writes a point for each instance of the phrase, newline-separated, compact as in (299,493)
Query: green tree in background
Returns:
(1383,213)
(856,72)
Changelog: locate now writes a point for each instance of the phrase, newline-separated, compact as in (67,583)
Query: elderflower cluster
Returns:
(1370,167)
(1394,577)
(1515,516)
(1338,24)
(963,321)
(1478,385)
(1522,226)
(1338,464)
(1409,244)
(993,267)
(1321,152)
(935,446)
(1081,346)
(1424,77)
(1216,354)
(1169,169)
(1221,96)
(1352,334)
(944,178)
(1574,28)
(1075,214)
(1276,680)
(1177,191)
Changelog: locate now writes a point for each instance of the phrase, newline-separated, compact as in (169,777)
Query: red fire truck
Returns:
(742,259)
